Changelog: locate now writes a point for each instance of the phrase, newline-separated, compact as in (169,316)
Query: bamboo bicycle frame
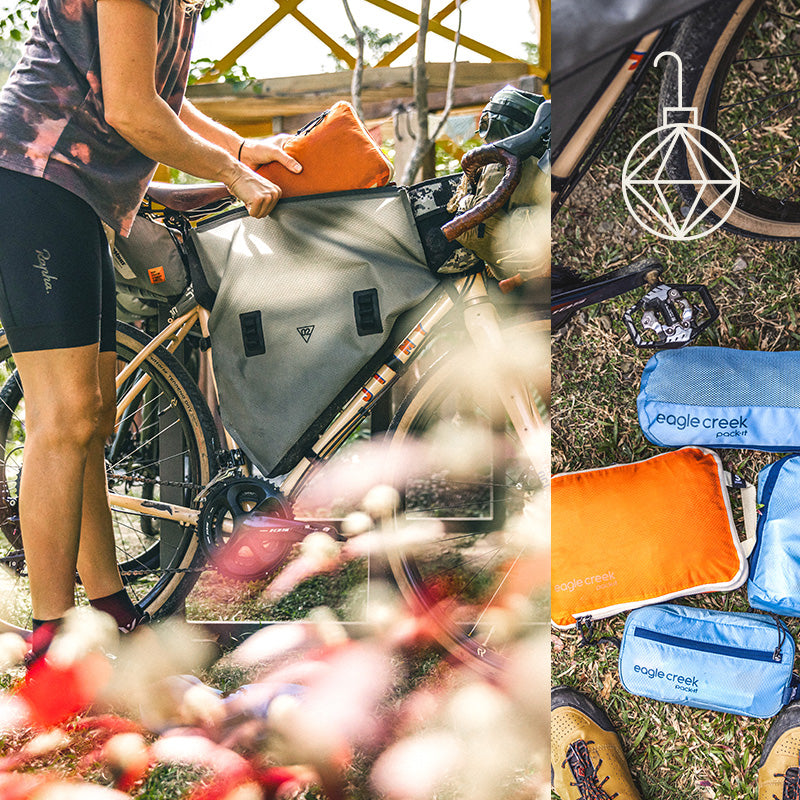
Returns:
(483,326)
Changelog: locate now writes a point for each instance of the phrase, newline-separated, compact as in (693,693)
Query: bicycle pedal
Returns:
(668,316)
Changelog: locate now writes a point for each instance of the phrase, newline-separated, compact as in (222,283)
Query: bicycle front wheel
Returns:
(163,450)
(466,472)
(740,71)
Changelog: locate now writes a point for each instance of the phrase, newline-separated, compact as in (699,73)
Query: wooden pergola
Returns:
(284,104)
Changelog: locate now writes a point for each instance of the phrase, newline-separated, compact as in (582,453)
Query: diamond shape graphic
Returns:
(650,194)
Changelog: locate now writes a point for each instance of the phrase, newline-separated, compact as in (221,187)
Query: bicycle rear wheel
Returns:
(740,70)
(163,450)
(465,468)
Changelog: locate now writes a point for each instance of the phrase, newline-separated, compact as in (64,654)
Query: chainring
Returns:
(246,528)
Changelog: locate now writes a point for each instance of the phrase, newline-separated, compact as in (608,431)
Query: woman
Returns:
(95,102)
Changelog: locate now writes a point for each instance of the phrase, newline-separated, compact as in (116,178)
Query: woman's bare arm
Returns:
(127,31)
(253,152)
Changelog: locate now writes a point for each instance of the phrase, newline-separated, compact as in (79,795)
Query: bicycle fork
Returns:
(483,325)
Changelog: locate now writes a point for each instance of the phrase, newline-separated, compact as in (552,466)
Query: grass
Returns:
(675,752)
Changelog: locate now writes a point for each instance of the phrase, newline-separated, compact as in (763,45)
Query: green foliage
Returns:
(16,24)
(170,782)
(210,6)
(532,53)
(375,45)
(236,74)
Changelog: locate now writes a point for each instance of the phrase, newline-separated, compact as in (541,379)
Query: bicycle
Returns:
(184,503)
(739,72)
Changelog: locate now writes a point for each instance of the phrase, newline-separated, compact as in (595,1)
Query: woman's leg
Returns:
(97,561)
(63,406)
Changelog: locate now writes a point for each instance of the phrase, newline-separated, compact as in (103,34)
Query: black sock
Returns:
(44,631)
(119,605)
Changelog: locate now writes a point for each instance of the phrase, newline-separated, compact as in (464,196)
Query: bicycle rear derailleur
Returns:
(246,528)
(669,318)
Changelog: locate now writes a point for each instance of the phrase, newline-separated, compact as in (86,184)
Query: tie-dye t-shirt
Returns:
(51,109)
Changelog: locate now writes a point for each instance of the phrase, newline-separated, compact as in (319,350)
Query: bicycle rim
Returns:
(460,580)
(745,84)
(165,438)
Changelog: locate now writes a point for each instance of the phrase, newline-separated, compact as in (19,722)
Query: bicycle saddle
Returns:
(187,198)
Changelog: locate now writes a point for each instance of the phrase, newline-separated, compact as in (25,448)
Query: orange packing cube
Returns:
(337,154)
(632,534)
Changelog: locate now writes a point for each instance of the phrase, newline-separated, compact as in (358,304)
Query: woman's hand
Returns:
(258,194)
(255,152)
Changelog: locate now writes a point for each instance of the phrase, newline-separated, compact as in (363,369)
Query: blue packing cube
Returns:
(719,397)
(718,660)
(774,581)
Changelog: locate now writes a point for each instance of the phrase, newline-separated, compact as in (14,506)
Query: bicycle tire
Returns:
(718,46)
(171,402)
(446,582)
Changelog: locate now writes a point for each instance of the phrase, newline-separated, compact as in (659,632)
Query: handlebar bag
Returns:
(720,397)
(305,300)
(774,582)
(337,154)
(724,661)
(632,534)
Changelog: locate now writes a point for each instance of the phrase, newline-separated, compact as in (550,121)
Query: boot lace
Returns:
(791,784)
(585,773)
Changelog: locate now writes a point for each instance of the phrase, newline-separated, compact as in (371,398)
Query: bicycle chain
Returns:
(137,573)
(134,477)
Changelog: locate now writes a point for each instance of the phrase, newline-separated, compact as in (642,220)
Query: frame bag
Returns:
(303,301)
(149,262)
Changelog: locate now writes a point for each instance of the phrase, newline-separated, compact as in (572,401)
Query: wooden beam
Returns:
(335,47)
(394,54)
(437,27)
(242,113)
(228,60)
(544,38)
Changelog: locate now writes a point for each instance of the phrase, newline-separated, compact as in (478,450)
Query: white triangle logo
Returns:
(306,332)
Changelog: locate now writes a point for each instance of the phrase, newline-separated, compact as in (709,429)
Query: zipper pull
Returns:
(777,654)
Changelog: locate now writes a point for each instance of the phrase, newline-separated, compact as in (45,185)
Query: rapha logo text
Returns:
(43,256)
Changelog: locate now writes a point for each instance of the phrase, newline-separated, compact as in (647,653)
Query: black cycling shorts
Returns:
(56,273)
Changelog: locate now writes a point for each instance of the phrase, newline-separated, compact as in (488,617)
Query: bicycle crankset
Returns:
(245,528)
(669,317)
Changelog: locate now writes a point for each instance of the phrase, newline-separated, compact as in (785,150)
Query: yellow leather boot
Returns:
(587,761)
(779,768)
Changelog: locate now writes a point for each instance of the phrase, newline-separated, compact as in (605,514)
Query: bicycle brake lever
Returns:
(668,318)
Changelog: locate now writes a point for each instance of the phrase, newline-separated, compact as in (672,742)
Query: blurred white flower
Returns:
(381,501)
(417,767)
(12,650)
(355,523)
(47,742)
(410,537)
(273,642)
(149,656)
(84,631)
